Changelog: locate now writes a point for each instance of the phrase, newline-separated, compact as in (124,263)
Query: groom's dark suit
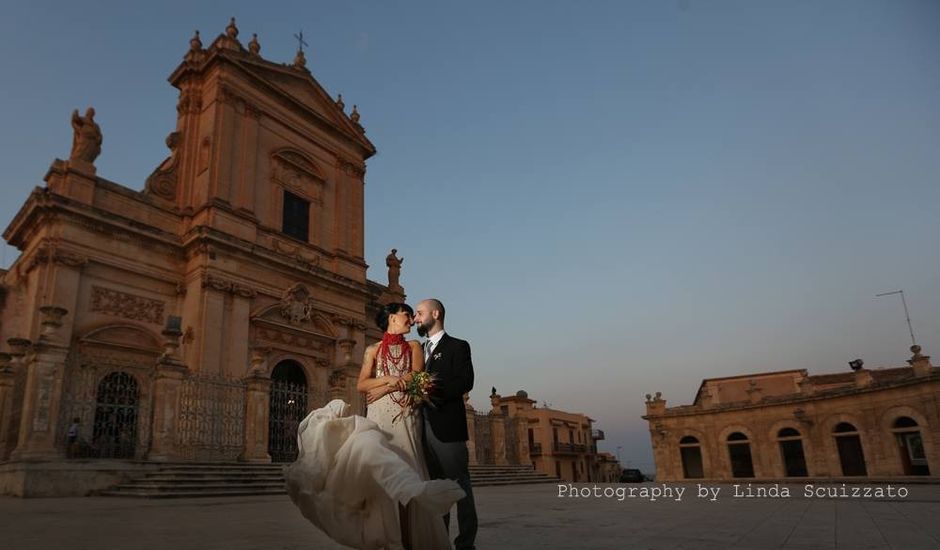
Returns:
(445,428)
(451,364)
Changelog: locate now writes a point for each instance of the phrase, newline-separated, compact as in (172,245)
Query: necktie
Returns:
(427,350)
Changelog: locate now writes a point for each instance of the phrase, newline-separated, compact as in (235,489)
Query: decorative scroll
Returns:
(225,285)
(138,308)
(163,181)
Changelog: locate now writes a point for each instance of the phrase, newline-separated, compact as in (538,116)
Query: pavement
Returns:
(514,517)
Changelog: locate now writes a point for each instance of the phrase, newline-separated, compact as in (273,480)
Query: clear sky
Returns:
(611,198)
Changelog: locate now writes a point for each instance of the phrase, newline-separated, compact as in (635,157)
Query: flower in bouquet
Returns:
(417,391)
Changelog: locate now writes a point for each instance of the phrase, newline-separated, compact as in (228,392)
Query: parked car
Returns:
(631,475)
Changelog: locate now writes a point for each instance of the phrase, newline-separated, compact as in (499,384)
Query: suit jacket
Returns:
(451,364)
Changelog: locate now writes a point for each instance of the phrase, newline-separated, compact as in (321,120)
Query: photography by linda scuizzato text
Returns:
(713,493)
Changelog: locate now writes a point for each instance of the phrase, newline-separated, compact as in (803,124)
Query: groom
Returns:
(445,424)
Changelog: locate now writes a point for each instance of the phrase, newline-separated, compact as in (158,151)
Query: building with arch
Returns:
(201,317)
(790,425)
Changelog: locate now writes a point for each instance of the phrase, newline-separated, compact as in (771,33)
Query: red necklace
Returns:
(402,363)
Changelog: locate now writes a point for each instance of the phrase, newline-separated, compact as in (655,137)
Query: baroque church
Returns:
(200,318)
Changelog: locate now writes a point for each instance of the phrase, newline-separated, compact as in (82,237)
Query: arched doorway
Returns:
(911,446)
(691,452)
(287,407)
(739,450)
(791,449)
(116,405)
(851,455)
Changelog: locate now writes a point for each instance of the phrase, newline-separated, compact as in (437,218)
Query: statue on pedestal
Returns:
(86,140)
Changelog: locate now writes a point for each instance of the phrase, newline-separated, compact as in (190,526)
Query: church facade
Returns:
(790,426)
(200,318)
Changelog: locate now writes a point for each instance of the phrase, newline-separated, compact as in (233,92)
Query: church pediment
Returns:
(294,325)
(302,88)
(297,311)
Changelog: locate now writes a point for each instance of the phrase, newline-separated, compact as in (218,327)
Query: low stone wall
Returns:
(65,478)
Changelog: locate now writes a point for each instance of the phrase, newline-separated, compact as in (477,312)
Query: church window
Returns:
(296,220)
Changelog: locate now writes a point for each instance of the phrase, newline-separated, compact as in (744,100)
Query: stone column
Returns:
(340,376)
(45,371)
(168,377)
(471,430)
(7,378)
(522,441)
(257,403)
(498,433)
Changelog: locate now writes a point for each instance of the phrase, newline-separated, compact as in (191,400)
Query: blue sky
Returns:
(612,198)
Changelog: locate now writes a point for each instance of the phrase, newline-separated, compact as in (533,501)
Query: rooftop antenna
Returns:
(906,314)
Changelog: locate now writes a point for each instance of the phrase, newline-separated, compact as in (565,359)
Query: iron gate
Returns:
(115,428)
(288,406)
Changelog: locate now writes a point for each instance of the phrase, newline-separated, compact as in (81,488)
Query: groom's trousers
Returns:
(452,461)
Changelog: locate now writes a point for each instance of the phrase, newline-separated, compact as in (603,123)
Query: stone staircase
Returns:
(187,480)
(487,475)
(184,480)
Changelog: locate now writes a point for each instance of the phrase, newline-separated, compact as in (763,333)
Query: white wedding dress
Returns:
(352,472)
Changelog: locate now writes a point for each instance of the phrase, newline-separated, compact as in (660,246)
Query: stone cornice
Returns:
(203,236)
(43,202)
(247,67)
(826,395)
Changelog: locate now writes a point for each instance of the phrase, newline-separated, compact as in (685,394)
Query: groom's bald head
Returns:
(429,316)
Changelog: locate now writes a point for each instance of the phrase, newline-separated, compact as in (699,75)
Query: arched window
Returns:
(791,449)
(691,454)
(851,454)
(905,422)
(739,450)
(911,446)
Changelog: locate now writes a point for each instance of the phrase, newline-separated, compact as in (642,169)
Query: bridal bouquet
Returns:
(416,393)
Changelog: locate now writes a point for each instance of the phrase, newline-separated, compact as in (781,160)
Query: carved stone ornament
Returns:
(278,337)
(121,304)
(349,322)
(163,181)
(296,252)
(350,168)
(224,285)
(190,102)
(297,304)
(50,251)
(293,171)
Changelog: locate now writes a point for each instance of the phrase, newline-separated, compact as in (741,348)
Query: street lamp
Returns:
(618,453)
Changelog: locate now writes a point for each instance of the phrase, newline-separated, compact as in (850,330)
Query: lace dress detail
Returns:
(405,435)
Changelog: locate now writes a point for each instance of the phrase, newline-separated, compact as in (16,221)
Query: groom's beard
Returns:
(424,328)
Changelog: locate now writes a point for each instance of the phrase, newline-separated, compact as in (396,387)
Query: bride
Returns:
(364,481)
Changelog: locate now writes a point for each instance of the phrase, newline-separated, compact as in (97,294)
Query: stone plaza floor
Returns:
(516,517)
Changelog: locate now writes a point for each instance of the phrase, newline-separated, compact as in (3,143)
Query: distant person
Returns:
(71,437)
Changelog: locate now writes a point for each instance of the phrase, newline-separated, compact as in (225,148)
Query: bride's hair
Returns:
(381,318)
